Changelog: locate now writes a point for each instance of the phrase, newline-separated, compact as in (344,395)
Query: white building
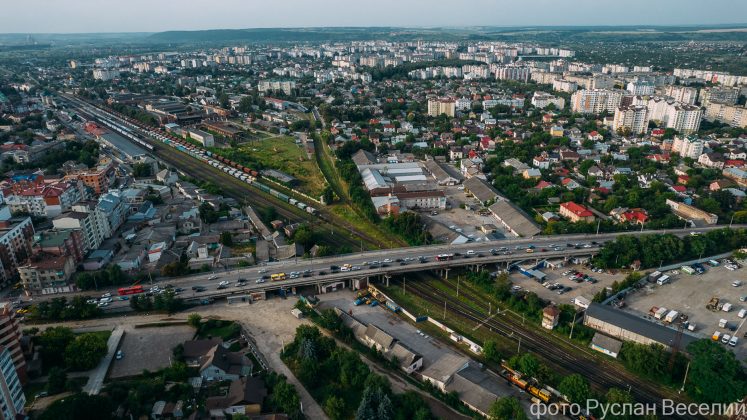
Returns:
(205,138)
(687,146)
(563,85)
(542,100)
(631,117)
(735,116)
(641,88)
(685,118)
(105,74)
(684,94)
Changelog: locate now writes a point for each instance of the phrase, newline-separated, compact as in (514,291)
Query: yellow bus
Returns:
(278,277)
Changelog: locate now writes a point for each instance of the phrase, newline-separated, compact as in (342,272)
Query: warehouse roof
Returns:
(514,218)
(481,189)
(638,325)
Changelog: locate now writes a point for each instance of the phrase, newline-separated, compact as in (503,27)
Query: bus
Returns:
(278,276)
(132,290)
(444,257)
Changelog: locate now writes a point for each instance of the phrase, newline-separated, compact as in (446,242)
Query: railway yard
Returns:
(474,315)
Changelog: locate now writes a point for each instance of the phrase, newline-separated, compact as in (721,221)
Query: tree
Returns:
(226,238)
(716,376)
(56,380)
(491,352)
(194,320)
(506,408)
(576,388)
(618,397)
(328,195)
(85,351)
(335,408)
(54,341)
(79,407)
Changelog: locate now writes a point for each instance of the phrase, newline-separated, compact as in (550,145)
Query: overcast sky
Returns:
(77,16)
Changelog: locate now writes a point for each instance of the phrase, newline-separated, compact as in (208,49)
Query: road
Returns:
(321,273)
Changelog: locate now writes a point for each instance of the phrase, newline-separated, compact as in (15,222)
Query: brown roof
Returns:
(198,348)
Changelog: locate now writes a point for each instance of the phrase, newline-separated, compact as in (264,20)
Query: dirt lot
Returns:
(148,348)
(688,294)
(585,289)
(469,221)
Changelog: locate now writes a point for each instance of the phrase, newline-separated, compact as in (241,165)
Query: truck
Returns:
(727,307)
(722,323)
(359,301)
(671,316)
(661,313)
(716,336)
(654,276)
(687,269)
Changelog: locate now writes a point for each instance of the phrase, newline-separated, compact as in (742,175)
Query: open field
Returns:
(282,153)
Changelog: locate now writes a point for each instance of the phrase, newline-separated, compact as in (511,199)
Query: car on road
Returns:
(260,281)
(241,283)
(42,394)
(119,355)
(106,295)
(199,288)
(262,271)
(213,277)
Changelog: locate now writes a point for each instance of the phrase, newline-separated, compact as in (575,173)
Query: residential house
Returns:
(576,212)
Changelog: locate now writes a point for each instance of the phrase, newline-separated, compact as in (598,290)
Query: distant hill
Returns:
(536,33)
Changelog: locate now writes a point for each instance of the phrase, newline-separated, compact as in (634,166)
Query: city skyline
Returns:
(86,16)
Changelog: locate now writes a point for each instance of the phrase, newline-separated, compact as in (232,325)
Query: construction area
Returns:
(712,304)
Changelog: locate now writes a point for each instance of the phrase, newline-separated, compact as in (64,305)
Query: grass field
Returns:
(282,153)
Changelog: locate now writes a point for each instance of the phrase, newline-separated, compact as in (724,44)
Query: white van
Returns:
(663,280)
(733,341)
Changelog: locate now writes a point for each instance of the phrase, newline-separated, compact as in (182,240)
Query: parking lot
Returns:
(560,276)
(465,221)
(689,295)
(148,348)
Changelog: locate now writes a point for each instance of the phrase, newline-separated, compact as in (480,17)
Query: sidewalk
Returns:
(96,380)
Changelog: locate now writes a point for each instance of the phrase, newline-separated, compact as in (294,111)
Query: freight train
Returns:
(243,173)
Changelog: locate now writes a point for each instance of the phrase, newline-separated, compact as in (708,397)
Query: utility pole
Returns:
(732,220)
(687,369)
(444,310)
(404,285)
(458,279)
(518,349)
(490,308)
(573,324)
(599,223)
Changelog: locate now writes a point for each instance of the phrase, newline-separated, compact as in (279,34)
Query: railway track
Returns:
(339,233)
(575,359)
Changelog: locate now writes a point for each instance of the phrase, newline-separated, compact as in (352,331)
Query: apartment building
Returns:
(596,101)
(16,237)
(691,213)
(564,85)
(734,115)
(513,73)
(12,399)
(688,146)
(440,106)
(98,179)
(719,94)
(46,200)
(286,86)
(685,118)
(93,227)
(631,118)
(10,338)
(46,272)
(640,88)
(684,94)
(542,100)
(60,243)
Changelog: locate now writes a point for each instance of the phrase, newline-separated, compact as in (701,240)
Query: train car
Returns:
(247,170)
(392,306)
(263,187)
(209,153)
(293,201)
(311,210)
(301,205)
(282,197)
(540,394)
(518,382)
(255,174)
